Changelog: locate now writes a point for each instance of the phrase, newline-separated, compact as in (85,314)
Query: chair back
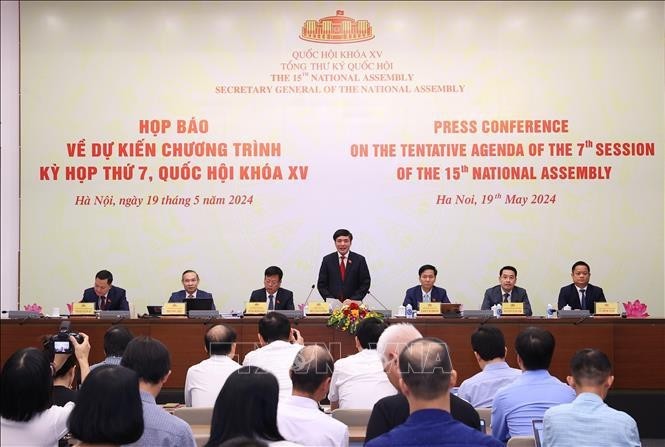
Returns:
(352,417)
(521,441)
(194,416)
(485,414)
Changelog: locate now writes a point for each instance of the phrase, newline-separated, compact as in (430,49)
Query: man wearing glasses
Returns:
(273,294)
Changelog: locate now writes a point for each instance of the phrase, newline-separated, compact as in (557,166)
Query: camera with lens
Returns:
(61,342)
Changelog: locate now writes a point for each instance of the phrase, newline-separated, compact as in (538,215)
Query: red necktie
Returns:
(342,268)
(105,303)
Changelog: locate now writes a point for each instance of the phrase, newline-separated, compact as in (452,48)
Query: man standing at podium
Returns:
(104,295)
(190,280)
(273,294)
(344,275)
(580,294)
(507,291)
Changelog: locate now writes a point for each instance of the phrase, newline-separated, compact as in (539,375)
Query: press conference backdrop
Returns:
(227,137)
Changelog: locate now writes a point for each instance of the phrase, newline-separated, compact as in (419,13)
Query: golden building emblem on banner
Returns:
(336,29)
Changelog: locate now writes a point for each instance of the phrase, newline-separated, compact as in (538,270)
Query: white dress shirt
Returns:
(276,357)
(358,381)
(300,420)
(44,429)
(205,380)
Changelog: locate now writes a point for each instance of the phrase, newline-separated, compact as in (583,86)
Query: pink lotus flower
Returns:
(635,309)
(33,308)
(70,308)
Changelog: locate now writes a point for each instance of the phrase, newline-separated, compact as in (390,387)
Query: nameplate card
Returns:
(512,308)
(174,309)
(607,309)
(83,309)
(429,309)
(318,308)
(252,308)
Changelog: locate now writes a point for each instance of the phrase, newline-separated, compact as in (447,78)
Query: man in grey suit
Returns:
(507,291)
(190,282)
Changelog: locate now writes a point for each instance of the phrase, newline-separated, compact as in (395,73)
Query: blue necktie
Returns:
(271,304)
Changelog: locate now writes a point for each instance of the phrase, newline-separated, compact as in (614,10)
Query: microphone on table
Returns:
(377,300)
(309,295)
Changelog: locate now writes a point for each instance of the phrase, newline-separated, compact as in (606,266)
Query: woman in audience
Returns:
(247,406)
(109,409)
(27,415)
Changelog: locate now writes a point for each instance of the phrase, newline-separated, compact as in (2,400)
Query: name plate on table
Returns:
(512,308)
(429,309)
(83,309)
(318,308)
(174,309)
(611,309)
(256,308)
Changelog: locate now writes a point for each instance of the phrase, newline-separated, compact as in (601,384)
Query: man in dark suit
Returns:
(273,294)
(507,291)
(104,295)
(580,294)
(190,282)
(426,291)
(344,275)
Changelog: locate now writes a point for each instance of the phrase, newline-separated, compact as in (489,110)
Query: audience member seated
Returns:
(27,416)
(427,375)
(489,347)
(358,380)
(116,340)
(108,411)
(279,346)
(298,414)
(150,359)
(205,380)
(63,383)
(392,411)
(588,420)
(247,407)
(532,393)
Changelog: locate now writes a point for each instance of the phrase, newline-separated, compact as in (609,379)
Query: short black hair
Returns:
(508,267)
(368,332)
(590,366)
(425,367)
(422,269)
(274,270)
(578,263)
(246,406)
(535,346)
(274,326)
(219,339)
(26,385)
(311,366)
(342,232)
(105,274)
(66,367)
(243,441)
(489,343)
(148,357)
(116,340)
(108,409)
(189,271)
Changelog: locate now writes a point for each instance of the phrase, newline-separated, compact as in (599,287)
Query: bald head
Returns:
(394,338)
(311,367)
(219,340)
(426,368)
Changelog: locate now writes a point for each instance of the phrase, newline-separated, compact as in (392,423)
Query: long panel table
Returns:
(636,347)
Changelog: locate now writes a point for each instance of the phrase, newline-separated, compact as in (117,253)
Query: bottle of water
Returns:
(498,310)
(409,311)
(550,311)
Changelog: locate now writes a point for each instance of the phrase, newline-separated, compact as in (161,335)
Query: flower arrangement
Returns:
(33,308)
(635,309)
(347,317)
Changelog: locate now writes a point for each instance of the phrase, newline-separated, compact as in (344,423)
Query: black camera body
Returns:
(61,342)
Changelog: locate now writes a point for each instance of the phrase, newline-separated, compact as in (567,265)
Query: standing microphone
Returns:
(378,301)
(309,295)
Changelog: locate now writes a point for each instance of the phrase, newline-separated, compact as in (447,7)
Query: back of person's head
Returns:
(105,275)
(274,326)
(426,368)
(243,441)
(26,385)
(394,338)
(246,406)
(66,367)
(148,357)
(590,367)
(273,270)
(535,346)
(116,340)
(219,340)
(342,232)
(489,343)
(311,366)
(108,409)
(368,332)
